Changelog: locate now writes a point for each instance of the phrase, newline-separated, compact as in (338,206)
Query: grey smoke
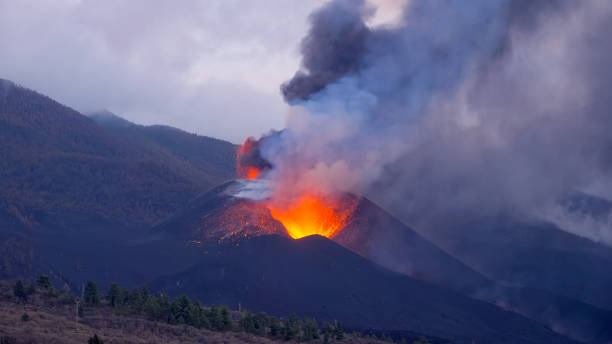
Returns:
(333,48)
(463,108)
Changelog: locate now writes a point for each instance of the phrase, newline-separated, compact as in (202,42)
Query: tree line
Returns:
(182,310)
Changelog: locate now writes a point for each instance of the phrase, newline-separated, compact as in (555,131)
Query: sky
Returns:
(209,67)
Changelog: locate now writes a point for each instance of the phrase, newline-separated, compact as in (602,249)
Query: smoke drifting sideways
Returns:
(460,109)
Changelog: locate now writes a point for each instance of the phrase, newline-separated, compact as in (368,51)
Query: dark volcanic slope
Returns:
(371,232)
(55,160)
(533,254)
(218,216)
(378,236)
(314,276)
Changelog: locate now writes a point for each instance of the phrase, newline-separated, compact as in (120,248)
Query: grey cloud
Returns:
(178,63)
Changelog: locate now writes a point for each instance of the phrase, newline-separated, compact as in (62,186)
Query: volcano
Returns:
(232,212)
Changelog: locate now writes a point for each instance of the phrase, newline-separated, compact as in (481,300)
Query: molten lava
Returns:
(249,163)
(312,214)
(251,173)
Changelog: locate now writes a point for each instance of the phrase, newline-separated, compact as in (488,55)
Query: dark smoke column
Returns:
(333,48)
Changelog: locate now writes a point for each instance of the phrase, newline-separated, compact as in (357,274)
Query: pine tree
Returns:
(247,322)
(20,292)
(95,340)
(113,295)
(291,328)
(44,282)
(135,299)
(226,320)
(275,327)
(261,323)
(310,330)
(91,295)
(338,331)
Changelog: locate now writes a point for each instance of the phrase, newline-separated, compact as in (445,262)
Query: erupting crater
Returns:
(312,212)
(310,215)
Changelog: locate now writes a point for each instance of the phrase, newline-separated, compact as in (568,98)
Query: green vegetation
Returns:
(95,340)
(54,158)
(182,311)
(91,295)
(22,291)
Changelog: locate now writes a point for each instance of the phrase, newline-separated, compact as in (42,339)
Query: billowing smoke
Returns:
(463,107)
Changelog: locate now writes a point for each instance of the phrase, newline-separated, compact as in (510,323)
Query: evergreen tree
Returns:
(25,317)
(291,328)
(226,320)
(310,330)
(152,309)
(113,295)
(275,327)
(181,310)
(95,340)
(338,331)
(44,282)
(124,297)
(164,307)
(215,318)
(199,316)
(91,295)
(135,299)
(327,331)
(247,322)
(19,291)
(144,295)
(261,322)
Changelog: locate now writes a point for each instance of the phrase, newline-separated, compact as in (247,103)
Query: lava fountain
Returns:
(308,213)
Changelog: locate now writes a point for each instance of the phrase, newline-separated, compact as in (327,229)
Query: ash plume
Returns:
(461,108)
(332,49)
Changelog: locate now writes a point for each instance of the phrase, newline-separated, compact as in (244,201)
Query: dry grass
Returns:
(52,321)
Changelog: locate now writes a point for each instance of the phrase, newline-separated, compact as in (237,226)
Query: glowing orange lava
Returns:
(311,215)
(244,164)
(251,173)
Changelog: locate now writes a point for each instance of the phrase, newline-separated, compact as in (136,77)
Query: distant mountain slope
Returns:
(55,161)
(208,154)
(534,254)
(317,277)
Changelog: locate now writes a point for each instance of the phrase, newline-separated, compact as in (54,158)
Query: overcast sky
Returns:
(212,67)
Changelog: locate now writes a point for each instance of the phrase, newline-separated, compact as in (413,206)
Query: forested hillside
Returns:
(38,313)
(58,164)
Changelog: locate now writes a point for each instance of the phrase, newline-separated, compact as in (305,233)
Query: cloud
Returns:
(211,67)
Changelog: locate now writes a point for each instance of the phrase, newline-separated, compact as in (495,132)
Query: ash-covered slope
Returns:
(530,253)
(225,212)
(317,277)
(219,215)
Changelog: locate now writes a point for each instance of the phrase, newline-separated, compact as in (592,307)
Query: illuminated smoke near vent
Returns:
(459,108)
